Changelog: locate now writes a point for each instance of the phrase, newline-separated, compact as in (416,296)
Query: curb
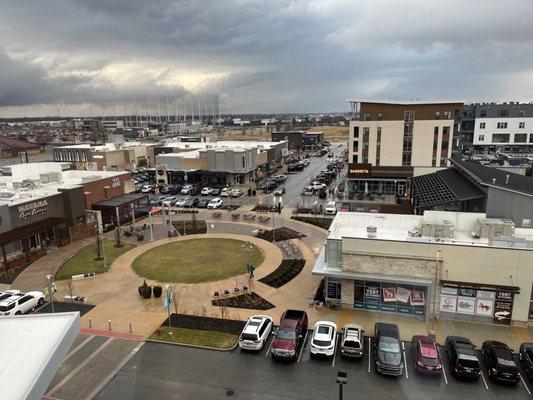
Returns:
(193,345)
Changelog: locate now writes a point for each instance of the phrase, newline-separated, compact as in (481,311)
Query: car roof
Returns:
(11,299)
(428,348)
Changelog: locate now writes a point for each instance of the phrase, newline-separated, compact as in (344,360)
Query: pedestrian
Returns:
(252,269)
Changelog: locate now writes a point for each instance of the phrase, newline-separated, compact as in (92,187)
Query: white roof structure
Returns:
(32,348)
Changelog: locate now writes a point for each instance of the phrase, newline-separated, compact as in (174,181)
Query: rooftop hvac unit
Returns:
(50,177)
(90,178)
(505,241)
(436,229)
(493,227)
(30,183)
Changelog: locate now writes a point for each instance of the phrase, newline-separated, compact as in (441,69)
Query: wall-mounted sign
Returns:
(503,311)
(466,305)
(115,182)
(32,208)
(417,299)
(389,294)
(356,171)
(484,307)
(448,303)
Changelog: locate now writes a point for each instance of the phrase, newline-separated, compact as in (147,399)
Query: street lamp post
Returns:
(168,300)
(341,380)
(50,294)
(434,317)
(151,227)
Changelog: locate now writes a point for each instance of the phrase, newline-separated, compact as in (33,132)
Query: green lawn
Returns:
(84,261)
(196,260)
(218,340)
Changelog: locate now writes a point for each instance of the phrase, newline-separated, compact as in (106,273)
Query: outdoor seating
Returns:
(226,292)
(216,294)
(235,216)
(236,290)
(216,214)
(244,288)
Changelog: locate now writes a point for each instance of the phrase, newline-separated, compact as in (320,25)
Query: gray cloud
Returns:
(300,55)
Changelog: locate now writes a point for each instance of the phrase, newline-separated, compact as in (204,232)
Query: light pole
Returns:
(168,299)
(434,317)
(50,294)
(151,227)
(341,380)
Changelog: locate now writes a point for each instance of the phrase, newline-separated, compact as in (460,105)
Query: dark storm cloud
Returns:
(301,55)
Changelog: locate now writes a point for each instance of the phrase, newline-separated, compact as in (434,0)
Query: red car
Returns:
(426,356)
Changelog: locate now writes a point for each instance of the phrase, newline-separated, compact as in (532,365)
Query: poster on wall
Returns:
(466,305)
(402,295)
(503,310)
(447,290)
(389,295)
(448,303)
(466,292)
(484,307)
(484,294)
(417,299)
(372,294)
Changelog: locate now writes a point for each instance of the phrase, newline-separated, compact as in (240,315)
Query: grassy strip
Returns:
(318,221)
(85,261)
(217,340)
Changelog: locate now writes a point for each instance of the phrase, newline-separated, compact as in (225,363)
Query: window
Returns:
(447,115)
(501,125)
(380,116)
(355,132)
(445,130)
(356,146)
(409,115)
(366,131)
(504,113)
(520,138)
(406,159)
(500,138)
(407,145)
(483,113)
(366,117)
(481,138)
(531,138)
(482,125)
(408,129)
(522,113)
(355,159)
(437,115)
(521,125)
(243,163)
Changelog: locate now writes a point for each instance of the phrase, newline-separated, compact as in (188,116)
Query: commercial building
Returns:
(389,142)
(495,128)
(10,147)
(42,207)
(300,140)
(218,163)
(470,267)
(471,186)
(102,125)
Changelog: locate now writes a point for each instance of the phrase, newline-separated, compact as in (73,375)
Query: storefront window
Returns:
(333,289)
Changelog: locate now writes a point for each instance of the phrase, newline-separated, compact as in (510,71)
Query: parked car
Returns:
(176,189)
(316,209)
(202,203)
(359,209)
(318,185)
(236,192)
(206,191)
(290,335)
(426,355)
(295,167)
(146,189)
(179,202)
(165,190)
(186,189)
(194,191)
(308,191)
(463,358)
(255,332)
(9,293)
(324,339)
(215,203)
(168,201)
(345,207)
(331,208)
(500,362)
(21,303)
(373,210)
(191,202)
(225,192)
(279,192)
(280,178)
(268,186)
(526,358)
(214,191)
(387,349)
(352,344)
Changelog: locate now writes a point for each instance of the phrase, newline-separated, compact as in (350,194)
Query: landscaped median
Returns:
(192,330)
(85,261)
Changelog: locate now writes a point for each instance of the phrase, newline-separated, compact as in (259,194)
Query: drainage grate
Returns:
(229,392)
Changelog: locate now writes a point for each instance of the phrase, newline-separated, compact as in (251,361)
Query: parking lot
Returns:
(182,372)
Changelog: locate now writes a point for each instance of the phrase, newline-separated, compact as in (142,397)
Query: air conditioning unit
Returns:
(493,227)
(436,229)
(161,175)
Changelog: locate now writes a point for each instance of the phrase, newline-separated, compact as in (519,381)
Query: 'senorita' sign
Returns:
(33,208)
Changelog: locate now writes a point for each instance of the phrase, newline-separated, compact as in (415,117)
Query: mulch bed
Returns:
(191,227)
(229,207)
(280,234)
(287,270)
(250,301)
(8,277)
(319,221)
(66,306)
(205,323)
(265,208)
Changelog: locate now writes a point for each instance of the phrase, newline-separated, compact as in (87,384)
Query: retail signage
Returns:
(115,182)
(389,295)
(507,296)
(334,290)
(32,208)
(372,294)
(417,299)
(356,171)
(447,290)
(466,305)
(403,295)
(484,307)
(466,292)
(503,311)
(448,303)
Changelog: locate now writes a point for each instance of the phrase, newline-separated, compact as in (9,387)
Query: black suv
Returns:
(526,358)
(463,357)
(500,362)
(387,349)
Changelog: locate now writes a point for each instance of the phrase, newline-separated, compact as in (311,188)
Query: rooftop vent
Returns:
(493,227)
(506,179)
(493,181)
(371,231)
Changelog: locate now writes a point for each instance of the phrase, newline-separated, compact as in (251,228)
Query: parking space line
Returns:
(369,350)
(524,383)
(78,347)
(303,346)
(272,341)
(484,381)
(405,360)
(337,339)
(443,367)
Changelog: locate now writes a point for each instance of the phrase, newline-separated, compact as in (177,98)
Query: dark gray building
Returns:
(300,140)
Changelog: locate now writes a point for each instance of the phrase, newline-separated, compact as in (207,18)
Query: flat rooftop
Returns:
(404,102)
(396,227)
(224,144)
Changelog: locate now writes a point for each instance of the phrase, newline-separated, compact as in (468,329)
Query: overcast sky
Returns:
(260,56)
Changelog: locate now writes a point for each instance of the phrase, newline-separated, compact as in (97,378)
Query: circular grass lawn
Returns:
(197,260)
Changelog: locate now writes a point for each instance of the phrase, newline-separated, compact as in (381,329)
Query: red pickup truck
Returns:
(290,335)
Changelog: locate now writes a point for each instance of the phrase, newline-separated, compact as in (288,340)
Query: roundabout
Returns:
(197,260)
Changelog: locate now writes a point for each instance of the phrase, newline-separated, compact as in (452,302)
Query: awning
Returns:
(480,286)
(26,230)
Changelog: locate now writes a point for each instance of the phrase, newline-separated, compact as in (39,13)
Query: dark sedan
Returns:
(426,356)
(191,202)
(500,362)
(526,358)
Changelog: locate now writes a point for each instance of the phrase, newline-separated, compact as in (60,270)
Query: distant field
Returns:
(330,132)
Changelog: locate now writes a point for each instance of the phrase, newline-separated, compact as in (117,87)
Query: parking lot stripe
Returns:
(337,339)
(303,346)
(443,368)
(484,381)
(78,347)
(369,350)
(405,360)
(270,346)
(524,382)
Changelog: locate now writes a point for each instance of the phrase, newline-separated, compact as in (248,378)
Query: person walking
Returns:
(252,269)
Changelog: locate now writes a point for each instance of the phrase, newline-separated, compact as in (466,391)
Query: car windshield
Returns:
(322,343)
(389,345)
(248,336)
(352,344)
(285,335)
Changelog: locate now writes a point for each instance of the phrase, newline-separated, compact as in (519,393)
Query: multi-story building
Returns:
(300,140)
(389,142)
(494,128)
(105,125)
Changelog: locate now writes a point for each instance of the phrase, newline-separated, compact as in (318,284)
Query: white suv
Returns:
(255,332)
(21,303)
(324,339)
(331,208)
(225,192)
(8,293)
(215,203)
